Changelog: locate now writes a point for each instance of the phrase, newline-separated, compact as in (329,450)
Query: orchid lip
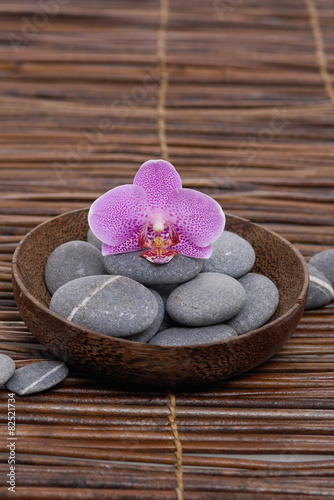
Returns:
(158,235)
(162,258)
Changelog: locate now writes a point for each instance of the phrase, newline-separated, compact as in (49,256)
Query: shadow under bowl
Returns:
(124,361)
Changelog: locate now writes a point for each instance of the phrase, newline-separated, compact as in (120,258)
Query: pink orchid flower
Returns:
(155,212)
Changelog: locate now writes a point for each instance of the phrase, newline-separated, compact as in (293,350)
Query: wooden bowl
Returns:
(130,362)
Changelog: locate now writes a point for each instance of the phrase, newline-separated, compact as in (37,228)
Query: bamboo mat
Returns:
(238,95)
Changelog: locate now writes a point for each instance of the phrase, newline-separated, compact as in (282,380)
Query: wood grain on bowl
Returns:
(130,362)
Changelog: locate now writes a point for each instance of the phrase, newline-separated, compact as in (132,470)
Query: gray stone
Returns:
(231,255)
(164,290)
(320,290)
(37,377)
(114,305)
(133,265)
(74,259)
(167,322)
(262,299)
(193,336)
(147,334)
(7,368)
(208,299)
(324,262)
(94,240)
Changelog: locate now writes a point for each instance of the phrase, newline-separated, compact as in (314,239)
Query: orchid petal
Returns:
(199,217)
(130,245)
(185,247)
(158,178)
(119,213)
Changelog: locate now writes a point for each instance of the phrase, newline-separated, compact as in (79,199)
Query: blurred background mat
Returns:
(238,95)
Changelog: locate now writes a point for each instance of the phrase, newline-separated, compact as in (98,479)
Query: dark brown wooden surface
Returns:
(239,96)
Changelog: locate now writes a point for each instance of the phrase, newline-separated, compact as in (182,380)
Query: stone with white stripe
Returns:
(320,290)
(37,377)
(113,305)
(324,262)
(7,368)
(74,259)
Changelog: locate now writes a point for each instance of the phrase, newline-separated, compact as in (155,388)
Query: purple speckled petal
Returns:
(197,216)
(130,245)
(119,213)
(190,250)
(158,178)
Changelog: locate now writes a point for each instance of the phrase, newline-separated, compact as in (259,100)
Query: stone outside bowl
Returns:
(124,361)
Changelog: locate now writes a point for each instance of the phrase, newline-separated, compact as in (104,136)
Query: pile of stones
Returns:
(184,302)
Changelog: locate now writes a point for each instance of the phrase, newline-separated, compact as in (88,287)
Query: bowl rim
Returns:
(297,305)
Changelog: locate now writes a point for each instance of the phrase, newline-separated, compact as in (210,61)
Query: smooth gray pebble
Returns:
(324,262)
(37,377)
(147,334)
(113,305)
(94,240)
(74,259)
(208,299)
(262,298)
(133,265)
(231,255)
(7,368)
(179,336)
(320,290)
